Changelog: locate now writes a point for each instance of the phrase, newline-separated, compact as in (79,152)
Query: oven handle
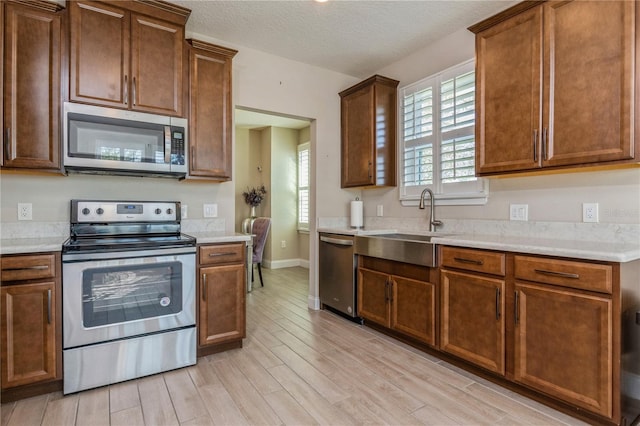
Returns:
(89,256)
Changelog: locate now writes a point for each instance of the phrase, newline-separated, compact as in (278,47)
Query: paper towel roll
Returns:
(356,214)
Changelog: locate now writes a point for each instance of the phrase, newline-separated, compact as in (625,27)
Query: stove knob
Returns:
(86,211)
(99,210)
(169,211)
(158,211)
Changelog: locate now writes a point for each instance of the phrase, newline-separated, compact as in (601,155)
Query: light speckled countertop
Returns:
(219,237)
(578,249)
(589,250)
(31,245)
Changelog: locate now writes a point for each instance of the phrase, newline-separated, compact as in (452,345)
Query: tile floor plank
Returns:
(93,407)
(128,417)
(29,411)
(123,396)
(184,395)
(61,411)
(157,408)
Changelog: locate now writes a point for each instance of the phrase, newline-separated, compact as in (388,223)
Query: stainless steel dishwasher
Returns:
(337,273)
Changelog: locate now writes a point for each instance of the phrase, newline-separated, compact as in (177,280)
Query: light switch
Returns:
(519,212)
(210,210)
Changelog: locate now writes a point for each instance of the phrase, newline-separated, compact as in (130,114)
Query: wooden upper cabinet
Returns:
(555,86)
(589,81)
(124,59)
(508,87)
(31,86)
(210,111)
(368,150)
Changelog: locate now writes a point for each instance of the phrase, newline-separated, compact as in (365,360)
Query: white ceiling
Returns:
(353,37)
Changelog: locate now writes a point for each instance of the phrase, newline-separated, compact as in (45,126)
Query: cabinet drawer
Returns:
(18,268)
(221,253)
(488,262)
(568,273)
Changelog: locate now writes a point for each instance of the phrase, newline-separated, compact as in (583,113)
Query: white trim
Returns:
(313,303)
(286,263)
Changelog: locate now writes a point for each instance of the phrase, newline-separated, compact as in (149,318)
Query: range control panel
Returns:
(124,211)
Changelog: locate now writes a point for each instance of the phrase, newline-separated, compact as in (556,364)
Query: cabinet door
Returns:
(508,94)
(373,296)
(222,304)
(472,319)
(157,50)
(358,144)
(563,345)
(413,308)
(28,333)
(589,52)
(99,55)
(210,114)
(32,54)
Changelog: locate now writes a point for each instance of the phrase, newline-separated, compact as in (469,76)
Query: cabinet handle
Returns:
(28,268)
(535,145)
(386,290)
(7,142)
(557,274)
(204,287)
(49,306)
(390,290)
(471,261)
(227,253)
(369,170)
(498,313)
(133,100)
(191,159)
(126,90)
(517,307)
(545,141)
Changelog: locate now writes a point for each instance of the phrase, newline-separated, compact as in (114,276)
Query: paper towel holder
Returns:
(357,221)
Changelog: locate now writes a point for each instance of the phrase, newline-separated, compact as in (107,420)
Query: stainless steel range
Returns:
(128,281)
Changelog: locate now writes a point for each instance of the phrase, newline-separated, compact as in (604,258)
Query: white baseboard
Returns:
(286,263)
(314,303)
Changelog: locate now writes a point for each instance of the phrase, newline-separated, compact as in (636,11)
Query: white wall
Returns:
(556,197)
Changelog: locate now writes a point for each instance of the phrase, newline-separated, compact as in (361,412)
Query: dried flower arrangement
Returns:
(254,196)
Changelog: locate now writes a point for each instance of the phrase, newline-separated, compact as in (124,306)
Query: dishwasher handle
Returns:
(337,241)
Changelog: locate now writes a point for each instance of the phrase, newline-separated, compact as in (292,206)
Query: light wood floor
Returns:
(297,367)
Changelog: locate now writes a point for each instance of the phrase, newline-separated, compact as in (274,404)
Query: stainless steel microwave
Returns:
(119,142)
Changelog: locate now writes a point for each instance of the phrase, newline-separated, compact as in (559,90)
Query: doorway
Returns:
(266,153)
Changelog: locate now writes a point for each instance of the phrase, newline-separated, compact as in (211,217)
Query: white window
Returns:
(303,186)
(437,135)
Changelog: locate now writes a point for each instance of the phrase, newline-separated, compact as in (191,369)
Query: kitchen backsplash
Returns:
(605,232)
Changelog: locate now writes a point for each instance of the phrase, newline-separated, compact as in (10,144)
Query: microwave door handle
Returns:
(167,144)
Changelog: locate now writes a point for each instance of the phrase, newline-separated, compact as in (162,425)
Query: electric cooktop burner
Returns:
(125,225)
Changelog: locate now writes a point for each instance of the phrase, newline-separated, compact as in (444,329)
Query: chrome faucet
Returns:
(432,210)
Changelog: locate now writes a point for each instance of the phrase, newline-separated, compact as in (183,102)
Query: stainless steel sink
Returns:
(407,248)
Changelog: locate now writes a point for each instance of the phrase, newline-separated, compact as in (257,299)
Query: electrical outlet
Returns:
(519,212)
(25,211)
(590,212)
(210,210)
(283,244)
(380,210)
(183,211)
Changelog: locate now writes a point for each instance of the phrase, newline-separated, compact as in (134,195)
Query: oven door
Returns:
(126,294)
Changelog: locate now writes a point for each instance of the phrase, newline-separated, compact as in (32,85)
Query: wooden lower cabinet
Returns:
(30,326)
(221,297)
(405,304)
(28,334)
(563,345)
(472,322)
